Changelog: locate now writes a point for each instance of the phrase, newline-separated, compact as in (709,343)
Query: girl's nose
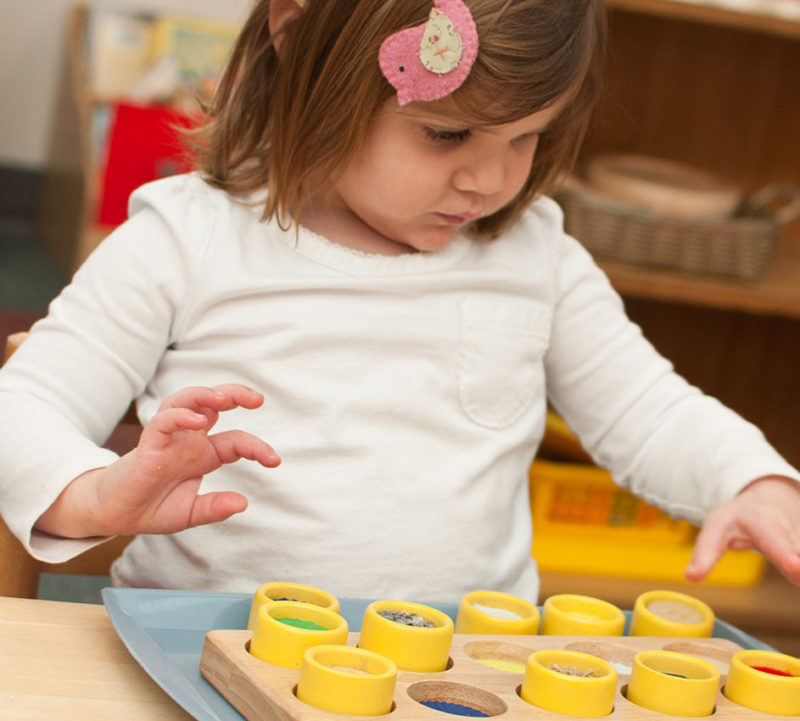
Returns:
(485,175)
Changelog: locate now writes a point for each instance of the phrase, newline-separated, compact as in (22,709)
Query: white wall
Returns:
(32,51)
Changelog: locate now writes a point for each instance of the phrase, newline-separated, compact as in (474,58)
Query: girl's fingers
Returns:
(701,564)
(740,543)
(216,507)
(233,445)
(239,395)
(781,546)
(709,547)
(221,398)
(193,397)
(170,421)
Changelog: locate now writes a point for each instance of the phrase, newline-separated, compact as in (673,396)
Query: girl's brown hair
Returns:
(289,124)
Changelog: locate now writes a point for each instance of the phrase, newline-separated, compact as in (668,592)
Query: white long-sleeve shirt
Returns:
(405,394)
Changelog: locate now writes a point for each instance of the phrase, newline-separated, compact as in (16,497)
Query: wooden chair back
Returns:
(19,572)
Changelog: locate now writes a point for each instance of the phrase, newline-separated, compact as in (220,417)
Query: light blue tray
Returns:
(164,631)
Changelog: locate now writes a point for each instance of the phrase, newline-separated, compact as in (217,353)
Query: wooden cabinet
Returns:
(717,88)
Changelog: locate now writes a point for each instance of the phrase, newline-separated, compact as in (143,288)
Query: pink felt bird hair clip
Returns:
(431,60)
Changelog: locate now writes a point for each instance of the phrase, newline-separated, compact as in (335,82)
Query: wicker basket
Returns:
(740,247)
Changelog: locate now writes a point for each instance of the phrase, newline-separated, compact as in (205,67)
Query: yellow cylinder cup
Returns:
(669,613)
(284,591)
(673,683)
(412,648)
(755,680)
(569,682)
(284,630)
(493,612)
(347,680)
(570,614)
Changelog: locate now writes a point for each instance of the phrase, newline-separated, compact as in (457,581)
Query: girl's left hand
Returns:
(765,516)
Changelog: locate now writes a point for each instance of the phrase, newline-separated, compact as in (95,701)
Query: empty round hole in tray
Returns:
(619,656)
(458,699)
(501,655)
(718,657)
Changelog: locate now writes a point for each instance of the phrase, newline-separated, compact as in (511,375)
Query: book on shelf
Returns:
(143,75)
(150,57)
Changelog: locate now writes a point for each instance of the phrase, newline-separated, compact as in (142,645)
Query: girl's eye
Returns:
(447,136)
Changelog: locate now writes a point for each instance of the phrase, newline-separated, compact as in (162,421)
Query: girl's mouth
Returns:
(459,219)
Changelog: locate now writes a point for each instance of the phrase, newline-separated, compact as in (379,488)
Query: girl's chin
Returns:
(434,238)
(423,239)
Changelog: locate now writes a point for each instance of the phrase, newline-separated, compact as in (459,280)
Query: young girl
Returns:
(365,272)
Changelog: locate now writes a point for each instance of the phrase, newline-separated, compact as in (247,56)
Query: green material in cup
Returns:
(300,623)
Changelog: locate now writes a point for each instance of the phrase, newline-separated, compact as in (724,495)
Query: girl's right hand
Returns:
(156,487)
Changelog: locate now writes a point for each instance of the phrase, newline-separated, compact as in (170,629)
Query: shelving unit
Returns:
(778,293)
(130,76)
(714,84)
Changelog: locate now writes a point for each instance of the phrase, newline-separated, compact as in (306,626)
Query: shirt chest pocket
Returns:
(500,369)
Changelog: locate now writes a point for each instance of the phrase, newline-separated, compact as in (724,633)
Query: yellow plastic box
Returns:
(584,523)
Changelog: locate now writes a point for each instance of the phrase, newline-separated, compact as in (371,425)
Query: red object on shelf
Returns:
(144,144)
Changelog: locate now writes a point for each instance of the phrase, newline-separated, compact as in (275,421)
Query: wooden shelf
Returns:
(712,84)
(110,51)
(756,15)
(778,293)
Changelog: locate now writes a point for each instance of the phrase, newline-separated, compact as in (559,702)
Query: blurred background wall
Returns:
(32,55)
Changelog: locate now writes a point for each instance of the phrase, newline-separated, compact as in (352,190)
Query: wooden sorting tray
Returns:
(264,692)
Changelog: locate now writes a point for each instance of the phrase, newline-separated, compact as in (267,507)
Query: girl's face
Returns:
(419,178)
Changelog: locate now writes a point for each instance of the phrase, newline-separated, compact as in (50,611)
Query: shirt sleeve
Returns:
(659,436)
(64,390)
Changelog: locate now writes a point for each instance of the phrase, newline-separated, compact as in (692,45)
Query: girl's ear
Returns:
(281,12)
